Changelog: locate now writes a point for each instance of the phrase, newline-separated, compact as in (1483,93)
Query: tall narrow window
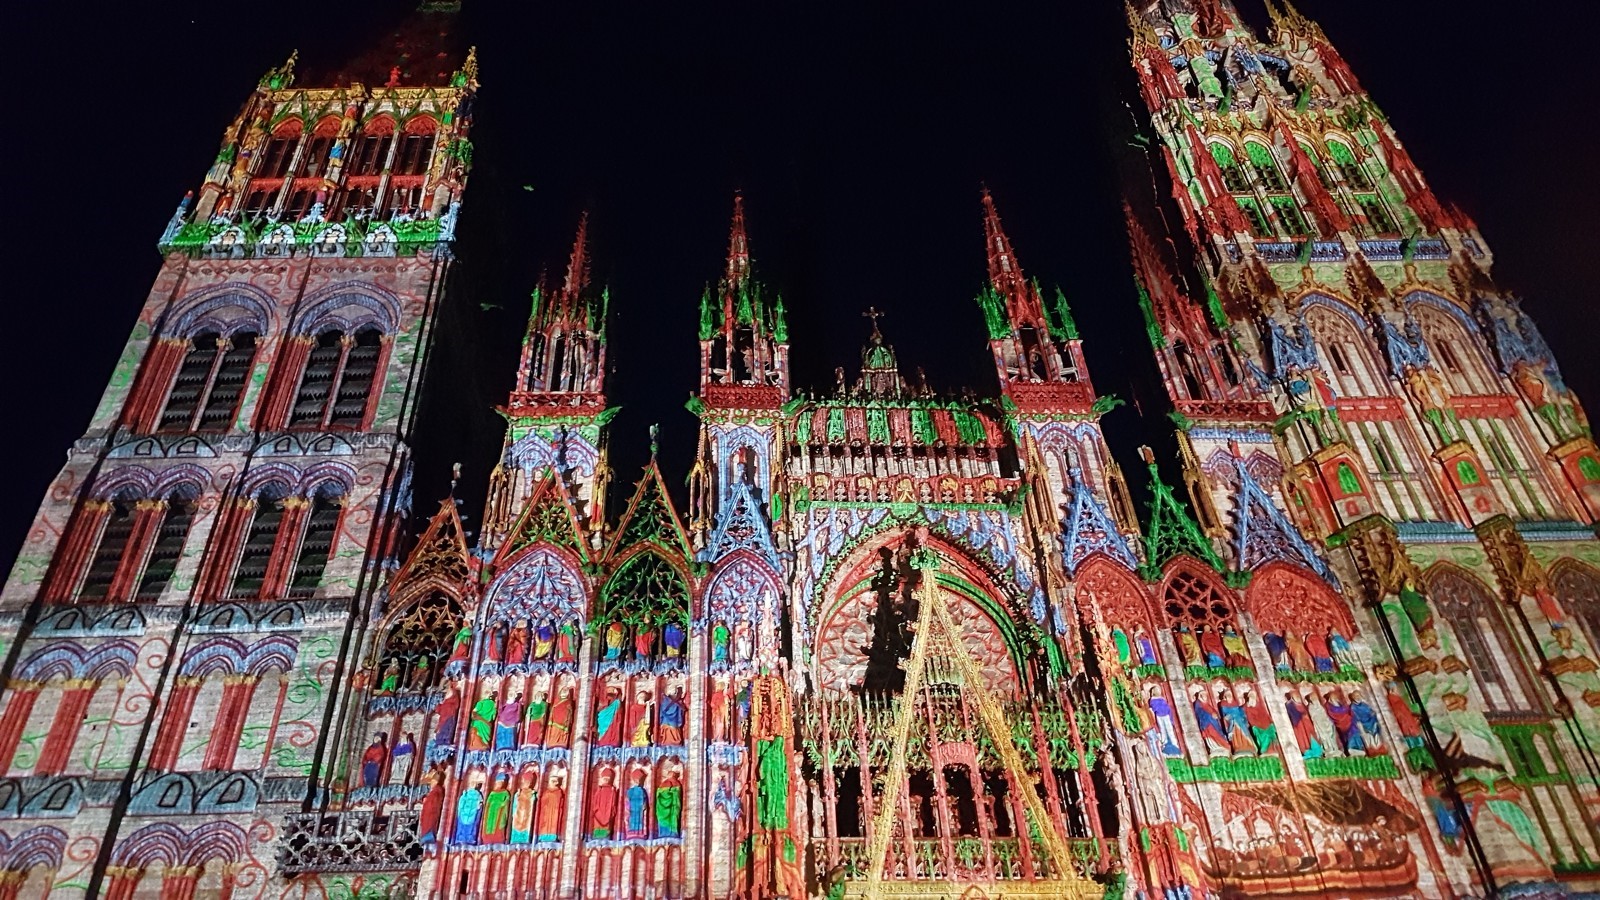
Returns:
(277,153)
(1488,647)
(415,150)
(1345,159)
(108,553)
(314,161)
(1378,218)
(371,152)
(205,395)
(256,555)
(337,381)
(168,547)
(1265,167)
(1232,175)
(317,543)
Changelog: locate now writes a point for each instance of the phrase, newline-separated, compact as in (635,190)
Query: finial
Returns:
(874,314)
(282,76)
(655,440)
(578,265)
(455,477)
(738,243)
(469,68)
(1148,455)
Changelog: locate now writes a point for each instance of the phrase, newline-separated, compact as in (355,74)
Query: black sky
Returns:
(859,133)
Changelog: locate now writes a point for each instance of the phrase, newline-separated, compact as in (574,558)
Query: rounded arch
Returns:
(161,842)
(185,482)
(217,656)
(216,841)
(347,307)
(224,309)
(1284,599)
(124,481)
(70,660)
(274,480)
(541,584)
(276,653)
(329,480)
(41,846)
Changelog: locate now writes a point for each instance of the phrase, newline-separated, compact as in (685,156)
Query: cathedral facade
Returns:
(896,643)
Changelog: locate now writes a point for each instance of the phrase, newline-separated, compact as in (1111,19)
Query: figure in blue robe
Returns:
(469,809)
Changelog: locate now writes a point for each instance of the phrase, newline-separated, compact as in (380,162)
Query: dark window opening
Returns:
(414,154)
(314,161)
(371,151)
(168,548)
(263,535)
(317,543)
(108,555)
(276,155)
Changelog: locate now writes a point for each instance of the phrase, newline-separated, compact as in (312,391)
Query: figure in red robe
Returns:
(718,709)
(644,642)
(432,809)
(517,644)
(462,648)
(603,806)
(1321,656)
(445,715)
(547,817)
(1211,644)
(636,731)
(1305,732)
(1404,717)
(558,731)
(567,642)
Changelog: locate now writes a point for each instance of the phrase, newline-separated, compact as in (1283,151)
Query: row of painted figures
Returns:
(530,814)
(1234,722)
(1224,648)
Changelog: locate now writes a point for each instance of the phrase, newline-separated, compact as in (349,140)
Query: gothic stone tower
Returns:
(180,619)
(1345,362)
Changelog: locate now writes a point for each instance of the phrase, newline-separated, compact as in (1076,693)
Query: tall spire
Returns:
(578,265)
(738,246)
(1004,269)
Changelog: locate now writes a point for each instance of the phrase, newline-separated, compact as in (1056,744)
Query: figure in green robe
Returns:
(482,727)
(497,813)
(669,806)
(1417,610)
(773,800)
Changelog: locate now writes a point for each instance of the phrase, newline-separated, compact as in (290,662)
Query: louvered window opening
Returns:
(316,545)
(332,362)
(205,394)
(108,554)
(256,555)
(167,549)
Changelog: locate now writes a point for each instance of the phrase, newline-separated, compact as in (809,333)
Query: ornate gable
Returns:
(549,518)
(1263,535)
(1088,530)
(440,553)
(651,518)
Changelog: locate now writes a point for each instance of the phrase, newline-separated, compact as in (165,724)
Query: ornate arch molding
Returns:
(348,307)
(732,591)
(224,308)
(71,660)
(1337,305)
(1284,598)
(541,583)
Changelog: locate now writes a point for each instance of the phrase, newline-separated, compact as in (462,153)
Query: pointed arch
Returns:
(1283,598)
(1467,605)
(738,587)
(1455,343)
(541,584)
(1345,347)
(1577,589)
(646,588)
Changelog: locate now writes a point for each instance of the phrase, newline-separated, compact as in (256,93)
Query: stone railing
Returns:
(351,841)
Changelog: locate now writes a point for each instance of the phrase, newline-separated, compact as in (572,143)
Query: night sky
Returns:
(860,135)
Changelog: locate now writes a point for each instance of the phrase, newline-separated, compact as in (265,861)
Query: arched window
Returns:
(1483,639)
(205,394)
(1578,590)
(370,152)
(276,153)
(314,159)
(1344,159)
(1203,624)
(108,555)
(316,542)
(1265,167)
(337,381)
(1233,176)
(256,555)
(415,151)
(167,549)
(1347,354)
(418,643)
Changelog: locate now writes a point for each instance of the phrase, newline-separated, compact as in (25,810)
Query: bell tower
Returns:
(200,576)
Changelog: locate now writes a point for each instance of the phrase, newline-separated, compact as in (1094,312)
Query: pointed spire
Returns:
(578,265)
(1172,531)
(738,245)
(1004,269)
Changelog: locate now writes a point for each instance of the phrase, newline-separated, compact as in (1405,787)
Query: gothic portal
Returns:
(897,643)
